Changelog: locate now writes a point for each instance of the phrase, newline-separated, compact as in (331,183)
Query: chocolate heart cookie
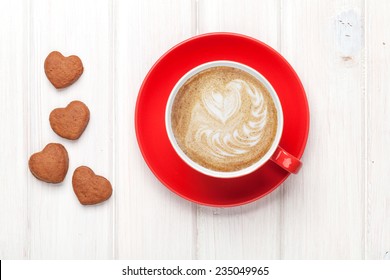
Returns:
(63,71)
(71,121)
(51,164)
(89,187)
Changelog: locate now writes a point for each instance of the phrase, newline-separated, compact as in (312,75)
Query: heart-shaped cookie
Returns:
(89,187)
(63,71)
(51,164)
(71,121)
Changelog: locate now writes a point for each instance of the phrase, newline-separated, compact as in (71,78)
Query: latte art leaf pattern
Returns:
(231,137)
(224,119)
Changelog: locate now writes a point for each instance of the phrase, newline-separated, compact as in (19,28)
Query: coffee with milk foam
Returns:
(224,119)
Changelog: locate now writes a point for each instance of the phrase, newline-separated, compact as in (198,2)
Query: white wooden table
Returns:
(337,207)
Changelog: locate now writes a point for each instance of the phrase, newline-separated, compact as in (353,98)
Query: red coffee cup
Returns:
(275,153)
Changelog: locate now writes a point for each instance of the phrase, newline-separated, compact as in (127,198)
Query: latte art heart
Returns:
(220,106)
(241,137)
(224,119)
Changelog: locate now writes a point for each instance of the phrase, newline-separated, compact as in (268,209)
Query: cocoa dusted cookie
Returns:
(51,164)
(71,121)
(89,187)
(63,71)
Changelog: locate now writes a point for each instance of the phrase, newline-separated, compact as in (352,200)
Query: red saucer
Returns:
(150,126)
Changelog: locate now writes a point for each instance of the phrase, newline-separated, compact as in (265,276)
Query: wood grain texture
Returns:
(151,222)
(378,88)
(337,207)
(323,207)
(251,231)
(61,228)
(13,136)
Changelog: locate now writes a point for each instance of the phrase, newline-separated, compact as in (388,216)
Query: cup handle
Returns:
(286,161)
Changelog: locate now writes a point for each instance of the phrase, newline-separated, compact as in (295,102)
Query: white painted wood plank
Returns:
(251,231)
(61,228)
(378,87)
(151,222)
(13,162)
(323,208)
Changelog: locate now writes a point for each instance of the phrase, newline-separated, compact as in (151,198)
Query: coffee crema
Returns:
(224,119)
